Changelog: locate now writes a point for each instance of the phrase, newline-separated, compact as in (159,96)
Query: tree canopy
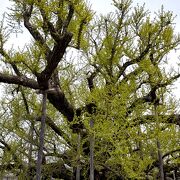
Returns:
(110,110)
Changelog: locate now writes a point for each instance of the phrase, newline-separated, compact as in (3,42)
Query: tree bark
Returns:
(91,151)
(41,137)
(161,168)
(78,169)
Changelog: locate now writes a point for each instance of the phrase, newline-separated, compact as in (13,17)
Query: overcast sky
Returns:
(105,6)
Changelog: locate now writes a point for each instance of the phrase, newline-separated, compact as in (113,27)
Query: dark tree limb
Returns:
(68,19)
(81,26)
(90,80)
(171,119)
(60,102)
(167,167)
(171,153)
(56,97)
(48,26)
(19,80)
(33,31)
(151,96)
(54,59)
(136,60)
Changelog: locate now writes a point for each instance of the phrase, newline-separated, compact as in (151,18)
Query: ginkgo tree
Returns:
(110,112)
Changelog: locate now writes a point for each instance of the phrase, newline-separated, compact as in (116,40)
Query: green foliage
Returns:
(111,72)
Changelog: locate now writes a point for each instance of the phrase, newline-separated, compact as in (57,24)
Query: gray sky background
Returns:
(105,6)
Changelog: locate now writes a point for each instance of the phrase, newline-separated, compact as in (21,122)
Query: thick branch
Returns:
(19,80)
(48,26)
(170,153)
(90,80)
(149,98)
(59,101)
(55,57)
(167,167)
(56,97)
(35,33)
(136,60)
(171,119)
(68,19)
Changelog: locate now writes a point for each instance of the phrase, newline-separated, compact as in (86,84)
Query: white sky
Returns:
(105,6)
